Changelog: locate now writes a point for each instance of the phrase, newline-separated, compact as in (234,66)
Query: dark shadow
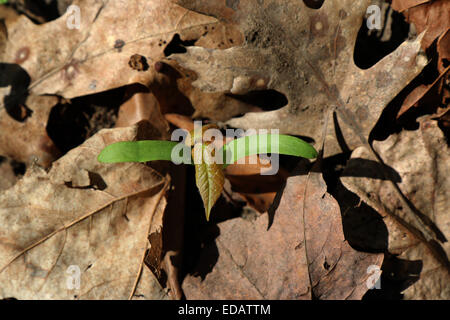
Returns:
(376,170)
(313,4)
(39,11)
(397,275)
(273,208)
(209,254)
(96,182)
(357,167)
(388,123)
(259,183)
(369,47)
(364,228)
(339,135)
(176,45)
(444,124)
(15,76)
(71,122)
(267,100)
(19,168)
(427,221)
(200,252)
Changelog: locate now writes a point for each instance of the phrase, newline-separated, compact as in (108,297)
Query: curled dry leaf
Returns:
(433,17)
(246,182)
(422,160)
(304,248)
(420,92)
(84,219)
(143,105)
(307,55)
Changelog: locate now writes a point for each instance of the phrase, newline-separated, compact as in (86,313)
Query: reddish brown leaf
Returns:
(259,263)
(432,16)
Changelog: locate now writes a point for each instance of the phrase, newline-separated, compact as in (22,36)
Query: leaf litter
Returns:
(244,65)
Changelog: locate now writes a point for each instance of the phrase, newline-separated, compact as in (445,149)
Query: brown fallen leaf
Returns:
(76,62)
(180,121)
(170,235)
(443,49)
(402,5)
(82,218)
(257,190)
(143,105)
(303,255)
(433,17)
(420,92)
(307,55)
(27,141)
(94,58)
(422,160)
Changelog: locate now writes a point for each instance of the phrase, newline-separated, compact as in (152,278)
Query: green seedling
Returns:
(209,173)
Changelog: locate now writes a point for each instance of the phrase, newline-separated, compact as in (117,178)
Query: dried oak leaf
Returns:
(304,248)
(422,160)
(76,62)
(81,215)
(307,55)
(94,58)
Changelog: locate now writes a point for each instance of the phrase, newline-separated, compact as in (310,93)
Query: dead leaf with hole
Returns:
(94,58)
(422,160)
(304,248)
(85,219)
(307,55)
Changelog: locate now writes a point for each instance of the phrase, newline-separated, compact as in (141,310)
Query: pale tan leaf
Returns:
(81,213)
(307,55)
(422,160)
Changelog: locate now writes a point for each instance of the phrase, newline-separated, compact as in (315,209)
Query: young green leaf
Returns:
(209,177)
(137,151)
(274,143)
